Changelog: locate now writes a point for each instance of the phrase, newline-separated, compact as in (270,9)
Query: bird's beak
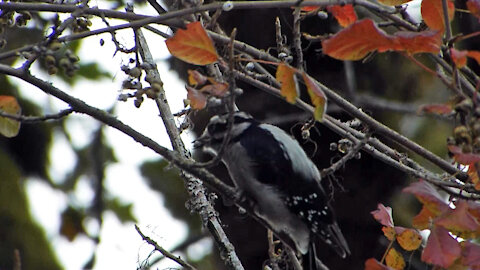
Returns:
(201,141)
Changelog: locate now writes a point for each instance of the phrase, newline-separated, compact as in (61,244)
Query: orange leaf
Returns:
(286,76)
(471,254)
(373,264)
(459,57)
(383,215)
(395,260)
(409,239)
(459,221)
(474,7)
(355,41)
(417,42)
(440,109)
(463,158)
(345,14)
(423,220)
(475,55)
(196,78)
(363,37)
(193,45)
(309,8)
(473,170)
(441,248)
(432,14)
(317,96)
(9,127)
(428,195)
(197,99)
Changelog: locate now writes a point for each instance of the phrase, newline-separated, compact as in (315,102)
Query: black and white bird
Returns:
(270,168)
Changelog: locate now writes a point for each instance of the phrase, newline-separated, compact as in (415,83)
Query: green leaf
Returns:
(166,179)
(122,210)
(92,71)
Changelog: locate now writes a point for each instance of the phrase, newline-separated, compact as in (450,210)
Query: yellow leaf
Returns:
(9,127)
(389,232)
(393,2)
(193,45)
(409,239)
(395,260)
(286,76)
(317,96)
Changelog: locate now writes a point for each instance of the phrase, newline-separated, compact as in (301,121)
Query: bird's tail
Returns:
(337,241)
(310,260)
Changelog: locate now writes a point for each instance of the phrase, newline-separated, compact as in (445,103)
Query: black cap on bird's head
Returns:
(217,128)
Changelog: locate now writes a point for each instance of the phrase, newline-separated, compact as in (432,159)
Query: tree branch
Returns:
(37,119)
(195,187)
(164,251)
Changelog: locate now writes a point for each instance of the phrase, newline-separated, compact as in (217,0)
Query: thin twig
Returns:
(182,246)
(340,163)
(271,251)
(293,258)
(164,252)
(37,119)
(297,38)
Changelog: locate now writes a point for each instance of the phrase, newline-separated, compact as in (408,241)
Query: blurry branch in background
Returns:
(164,251)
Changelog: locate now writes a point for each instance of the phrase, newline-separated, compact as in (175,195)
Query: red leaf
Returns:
(286,76)
(197,99)
(459,57)
(463,158)
(428,195)
(363,37)
(440,109)
(459,221)
(193,45)
(383,215)
(441,248)
(317,96)
(471,254)
(345,14)
(216,88)
(474,7)
(432,14)
(373,264)
(9,127)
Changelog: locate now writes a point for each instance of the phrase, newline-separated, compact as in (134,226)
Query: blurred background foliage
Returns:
(357,189)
